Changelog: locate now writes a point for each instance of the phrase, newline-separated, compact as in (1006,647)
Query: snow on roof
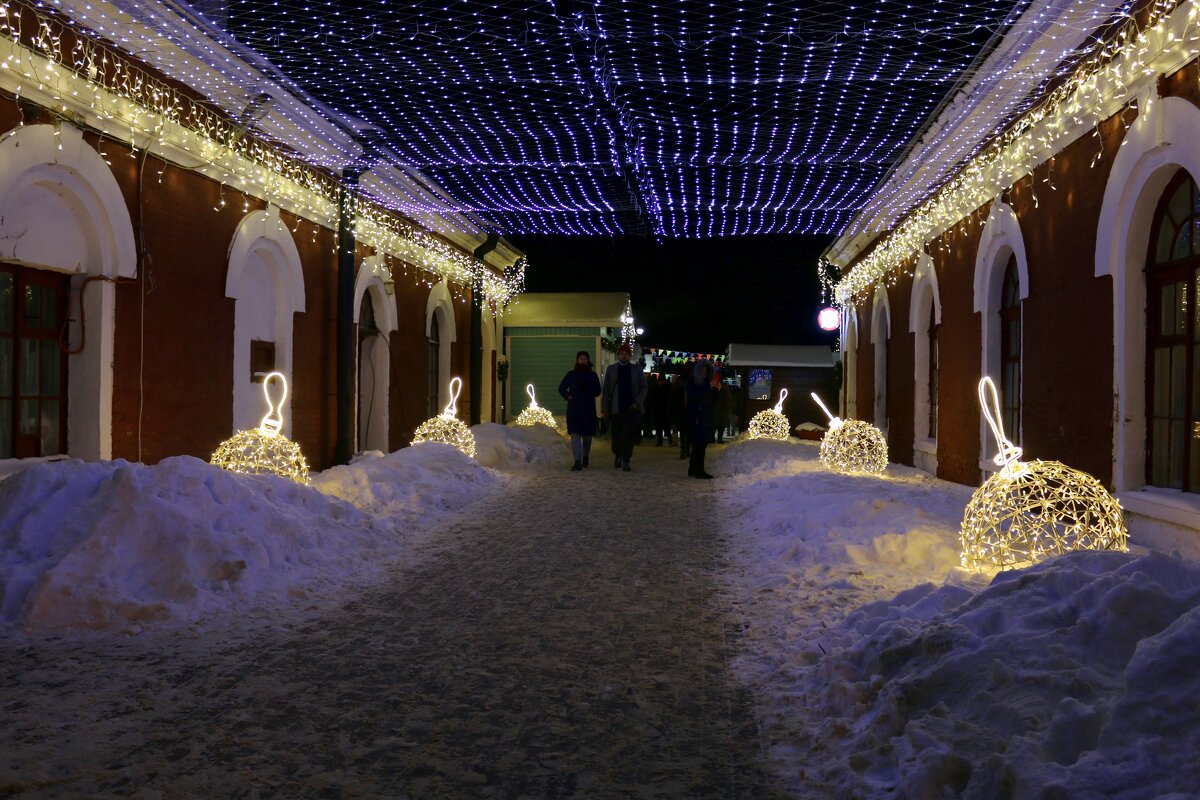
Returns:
(780,355)
(598,309)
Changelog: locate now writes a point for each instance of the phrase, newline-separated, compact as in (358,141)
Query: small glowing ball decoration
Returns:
(1028,512)
(770,423)
(851,445)
(535,414)
(264,450)
(828,319)
(447,428)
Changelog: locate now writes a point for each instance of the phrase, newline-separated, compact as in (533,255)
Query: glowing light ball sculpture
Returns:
(851,445)
(535,414)
(264,450)
(829,319)
(1028,512)
(770,423)
(446,427)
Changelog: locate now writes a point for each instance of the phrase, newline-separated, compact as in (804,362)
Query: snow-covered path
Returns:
(505,656)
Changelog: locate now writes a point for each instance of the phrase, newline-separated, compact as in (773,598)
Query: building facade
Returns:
(1074,286)
(153,269)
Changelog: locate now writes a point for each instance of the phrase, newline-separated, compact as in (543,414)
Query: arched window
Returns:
(1172,374)
(434,377)
(932,335)
(1010,350)
(372,346)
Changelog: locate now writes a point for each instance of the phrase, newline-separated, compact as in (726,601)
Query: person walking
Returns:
(701,413)
(623,403)
(580,387)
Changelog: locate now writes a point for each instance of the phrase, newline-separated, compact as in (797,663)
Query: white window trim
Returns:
(850,363)
(373,279)
(262,235)
(1160,141)
(440,303)
(1001,237)
(43,155)
(924,294)
(881,331)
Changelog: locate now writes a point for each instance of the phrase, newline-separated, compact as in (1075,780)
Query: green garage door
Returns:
(542,361)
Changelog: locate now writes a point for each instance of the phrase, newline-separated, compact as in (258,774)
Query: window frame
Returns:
(1010,318)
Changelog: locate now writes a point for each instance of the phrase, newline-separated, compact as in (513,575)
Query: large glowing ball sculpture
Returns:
(264,450)
(770,423)
(535,414)
(1028,512)
(829,319)
(446,427)
(851,445)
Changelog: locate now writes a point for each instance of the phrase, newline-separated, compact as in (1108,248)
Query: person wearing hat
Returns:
(580,388)
(624,398)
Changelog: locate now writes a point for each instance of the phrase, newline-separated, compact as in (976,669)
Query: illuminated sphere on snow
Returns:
(447,430)
(769,424)
(854,446)
(535,415)
(258,452)
(1032,511)
(265,450)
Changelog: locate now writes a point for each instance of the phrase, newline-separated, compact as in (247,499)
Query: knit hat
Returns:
(624,349)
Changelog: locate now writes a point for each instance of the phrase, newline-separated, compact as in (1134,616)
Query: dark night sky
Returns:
(693,294)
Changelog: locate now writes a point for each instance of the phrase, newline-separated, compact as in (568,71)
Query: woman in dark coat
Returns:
(701,413)
(580,388)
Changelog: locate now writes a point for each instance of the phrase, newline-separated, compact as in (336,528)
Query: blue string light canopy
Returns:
(622,117)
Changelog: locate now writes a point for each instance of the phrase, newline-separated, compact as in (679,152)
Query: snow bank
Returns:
(1073,678)
(115,545)
(119,545)
(410,485)
(500,446)
(883,670)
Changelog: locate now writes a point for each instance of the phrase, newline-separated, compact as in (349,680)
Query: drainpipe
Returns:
(346,355)
(477,333)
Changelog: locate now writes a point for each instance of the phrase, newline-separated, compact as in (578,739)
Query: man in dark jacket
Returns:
(580,387)
(623,403)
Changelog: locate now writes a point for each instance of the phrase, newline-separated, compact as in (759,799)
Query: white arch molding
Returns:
(1161,141)
(266,280)
(441,304)
(1001,239)
(850,362)
(374,281)
(62,210)
(881,331)
(489,351)
(925,297)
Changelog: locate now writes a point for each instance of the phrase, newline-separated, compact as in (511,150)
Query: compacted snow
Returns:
(878,667)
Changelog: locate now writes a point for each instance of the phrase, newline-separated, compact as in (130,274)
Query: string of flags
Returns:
(662,356)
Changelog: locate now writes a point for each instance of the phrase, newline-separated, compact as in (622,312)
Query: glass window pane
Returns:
(6,366)
(1162,380)
(50,428)
(51,366)
(29,367)
(49,308)
(1194,224)
(1181,313)
(1180,207)
(1166,237)
(7,311)
(1182,246)
(1160,443)
(27,419)
(1166,309)
(1194,459)
(6,444)
(1178,431)
(1178,388)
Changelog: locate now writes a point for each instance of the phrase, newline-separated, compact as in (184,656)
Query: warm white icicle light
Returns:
(851,445)
(1028,512)
(446,427)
